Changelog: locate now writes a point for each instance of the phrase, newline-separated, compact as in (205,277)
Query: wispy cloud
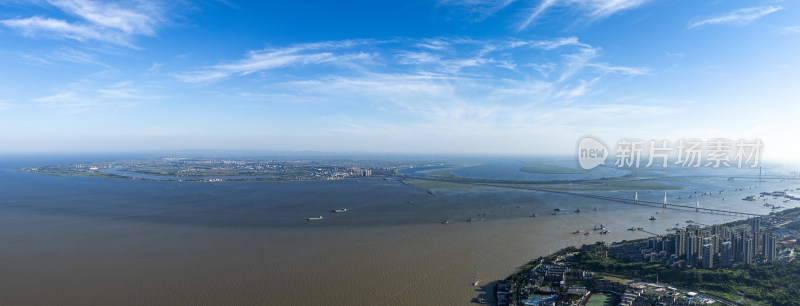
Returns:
(445,57)
(536,12)
(84,95)
(593,9)
(608,68)
(111,22)
(4,105)
(478,9)
(76,56)
(590,112)
(740,16)
(446,84)
(789,30)
(60,55)
(268,59)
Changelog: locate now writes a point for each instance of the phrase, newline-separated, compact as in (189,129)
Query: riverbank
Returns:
(574,273)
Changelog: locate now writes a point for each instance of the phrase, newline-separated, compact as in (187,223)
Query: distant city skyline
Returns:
(440,77)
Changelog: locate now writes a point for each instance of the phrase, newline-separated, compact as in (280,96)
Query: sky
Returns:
(523,77)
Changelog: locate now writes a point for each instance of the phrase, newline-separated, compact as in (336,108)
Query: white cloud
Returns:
(572,115)
(443,83)
(479,9)
(440,56)
(576,61)
(84,95)
(268,59)
(789,30)
(594,9)
(434,44)
(4,105)
(607,68)
(141,19)
(605,8)
(535,12)
(48,26)
(112,22)
(75,56)
(579,90)
(414,58)
(740,16)
(155,67)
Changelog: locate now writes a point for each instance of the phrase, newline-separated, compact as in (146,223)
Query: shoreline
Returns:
(506,289)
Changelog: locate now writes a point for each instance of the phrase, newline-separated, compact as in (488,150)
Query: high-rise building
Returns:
(769,251)
(655,243)
(747,249)
(736,245)
(725,254)
(755,229)
(680,243)
(667,245)
(708,256)
(691,250)
(755,225)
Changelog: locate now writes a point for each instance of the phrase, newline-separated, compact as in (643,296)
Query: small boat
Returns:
(475,283)
(603,232)
(445,221)
(578,210)
(470,219)
(595,208)
(339,210)
(557,209)
(314,218)
(652,218)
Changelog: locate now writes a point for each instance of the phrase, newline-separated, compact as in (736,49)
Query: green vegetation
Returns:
(443,173)
(750,284)
(441,184)
(767,284)
(790,213)
(444,178)
(537,167)
(599,299)
(73,171)
(219,169)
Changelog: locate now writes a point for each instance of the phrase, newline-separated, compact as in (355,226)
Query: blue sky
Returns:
(418,76)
